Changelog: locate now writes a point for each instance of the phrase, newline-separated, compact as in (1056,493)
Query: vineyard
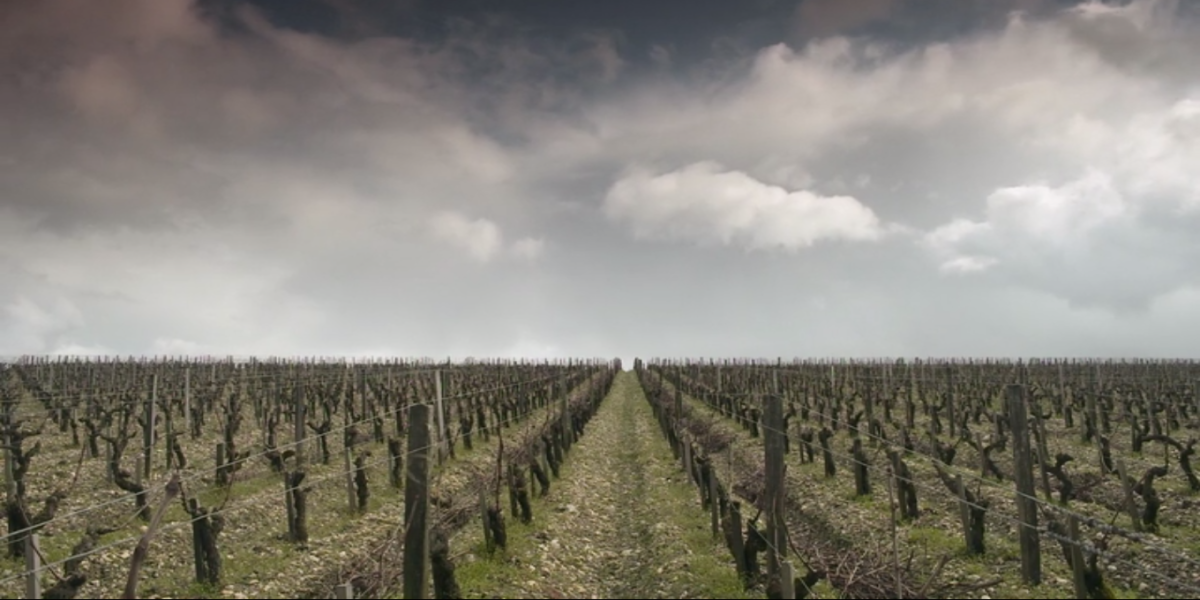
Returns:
(833,479)
(952,479)
(267,479)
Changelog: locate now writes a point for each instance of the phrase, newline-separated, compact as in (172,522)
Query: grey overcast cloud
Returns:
(544,178)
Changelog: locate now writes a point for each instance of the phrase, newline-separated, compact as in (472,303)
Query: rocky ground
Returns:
(256,560)
(1160,566)
(622,523)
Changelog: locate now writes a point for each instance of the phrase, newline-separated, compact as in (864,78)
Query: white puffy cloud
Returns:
(705,203)
(1083,240)
(481,239)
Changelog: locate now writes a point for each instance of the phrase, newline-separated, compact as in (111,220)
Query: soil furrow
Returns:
(621,523)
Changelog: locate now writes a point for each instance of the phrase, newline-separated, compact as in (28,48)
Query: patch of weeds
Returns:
(709,562)
(500,572)
(934,540)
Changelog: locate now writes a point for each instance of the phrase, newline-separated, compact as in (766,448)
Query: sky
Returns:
(544,179)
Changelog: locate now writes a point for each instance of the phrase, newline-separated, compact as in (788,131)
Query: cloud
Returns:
(185,177)
(528,248)
(967,264)
(29,325)
(1083,240)
(480,238)
(705,203)
(824,17)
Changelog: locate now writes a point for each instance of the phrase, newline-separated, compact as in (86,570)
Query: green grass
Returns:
(498,571)
(705,560)
(708,558)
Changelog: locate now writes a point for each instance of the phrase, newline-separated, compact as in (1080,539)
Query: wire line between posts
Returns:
(191,475)
(256,499)
(939,492)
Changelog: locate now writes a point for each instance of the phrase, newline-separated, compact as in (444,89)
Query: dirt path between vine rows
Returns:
(622,522)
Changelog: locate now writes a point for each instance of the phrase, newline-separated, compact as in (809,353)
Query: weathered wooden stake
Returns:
(488,542)
(148,434)
(1077,566)
(1031,560)
(220,474)
(416,504)
(687,457)
(33,567)
(714,506)
(395,457)
(10,469)
(787,580)
(299,418)
(964,513)
(1130,505)
(774,488)
(950,399)
(565,423)
(348,463)
(344,590)
(442,435)
(290,505)
(1043,454)
(187,399)
(891,481)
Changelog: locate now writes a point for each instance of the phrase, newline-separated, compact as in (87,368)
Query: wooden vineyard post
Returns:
(187,400)
(294,496)
(739,544)
(774,477)
(289,505)
(1196,397)
(416,504)
(362,392)
(685,457)
(714,506)
(1097,434)
(892,486)
(1043,454)
(950,414)
(787,580)
(565,423)
(1130,505)
(221,469)
(678,424)
(869,408)
(1076,551)
(910,403)
(395,462)
(108,456)
(441,417)
(1031,564)
(348,463)
(1062,383)
(298,434)
(33,567)
(169,435)
(488,542)
(964,513)
(344,591)
(148,433)
(10,466)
